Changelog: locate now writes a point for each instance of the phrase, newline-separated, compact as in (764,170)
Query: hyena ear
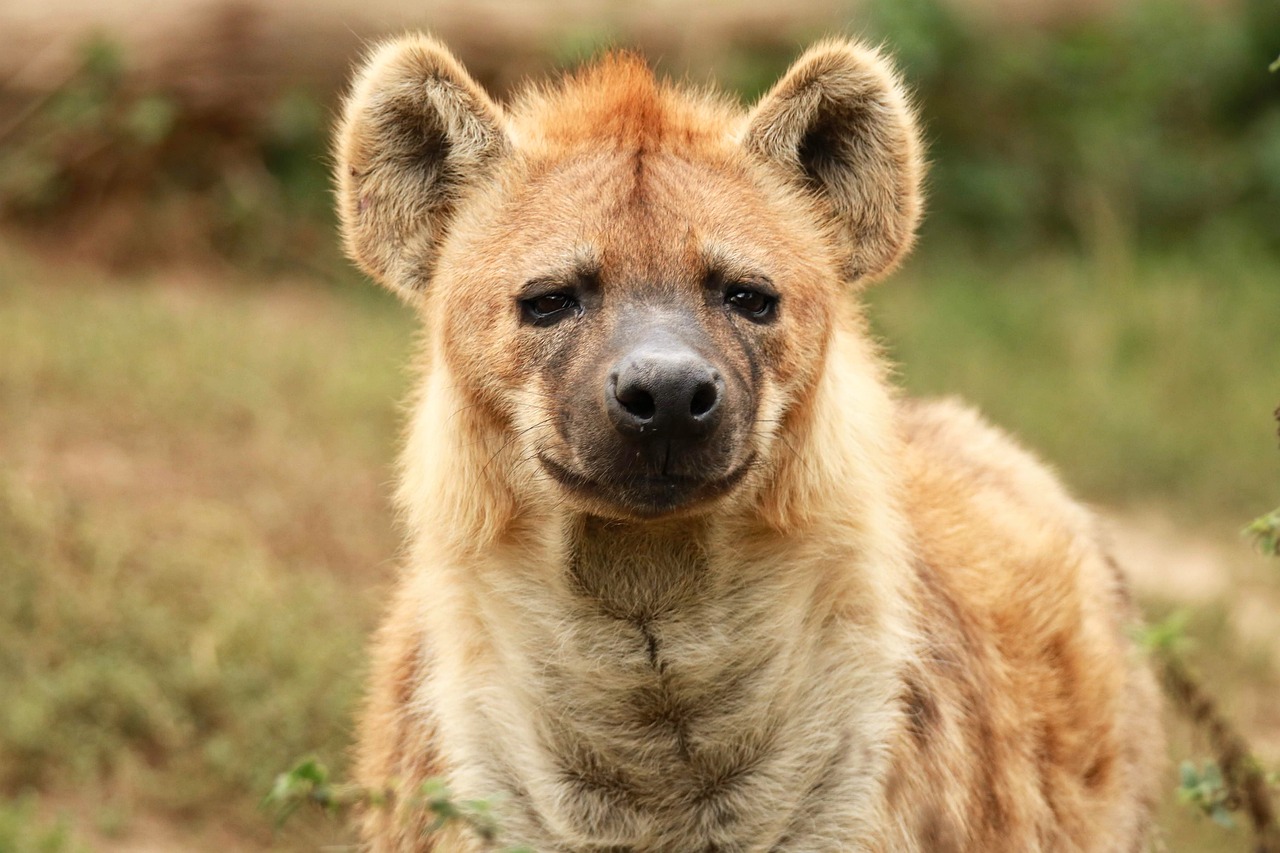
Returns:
(841,124)
(416,134)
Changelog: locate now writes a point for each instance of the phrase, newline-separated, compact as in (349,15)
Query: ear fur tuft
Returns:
(840,122)
(416,133)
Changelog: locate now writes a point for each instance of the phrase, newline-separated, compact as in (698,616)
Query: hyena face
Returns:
(635,285)
(647,337)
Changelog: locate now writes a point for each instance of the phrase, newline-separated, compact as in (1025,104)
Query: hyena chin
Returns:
(684,572)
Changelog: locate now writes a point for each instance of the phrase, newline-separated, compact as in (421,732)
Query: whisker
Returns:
(511,440)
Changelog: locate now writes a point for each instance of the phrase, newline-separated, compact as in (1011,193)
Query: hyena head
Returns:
(636,285)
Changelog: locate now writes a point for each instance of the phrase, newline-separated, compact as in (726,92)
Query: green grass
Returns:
(194,529)
(23,830)
(1146,380)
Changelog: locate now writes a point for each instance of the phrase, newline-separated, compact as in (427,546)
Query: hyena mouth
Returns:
(648,496)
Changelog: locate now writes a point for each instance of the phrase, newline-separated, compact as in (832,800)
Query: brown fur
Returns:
(870,623)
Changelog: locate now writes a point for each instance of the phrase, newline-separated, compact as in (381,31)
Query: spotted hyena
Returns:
(685,572)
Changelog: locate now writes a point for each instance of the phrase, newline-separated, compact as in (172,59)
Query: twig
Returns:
(1240,769)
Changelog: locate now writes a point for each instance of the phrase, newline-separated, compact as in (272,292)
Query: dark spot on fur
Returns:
(1098,772)
(922,711)
(994,811)
(936,834)
(639,188)
(955,654)
(748,351)
(721,785)
(651,643)
(1122,584)
(410,673)
(583,768)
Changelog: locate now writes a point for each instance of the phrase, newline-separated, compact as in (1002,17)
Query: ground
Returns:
(195,535)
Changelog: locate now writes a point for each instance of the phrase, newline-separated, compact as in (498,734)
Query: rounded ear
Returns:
(840,123)
(416,133)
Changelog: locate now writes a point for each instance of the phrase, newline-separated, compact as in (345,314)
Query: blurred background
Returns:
(199,397)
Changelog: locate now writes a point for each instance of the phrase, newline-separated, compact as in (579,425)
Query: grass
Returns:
(1243,678)
(194,530)
(23,831)
(193,526)
(1146,380)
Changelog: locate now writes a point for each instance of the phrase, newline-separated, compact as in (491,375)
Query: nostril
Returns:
(659,395)
(704,399)
(638,402)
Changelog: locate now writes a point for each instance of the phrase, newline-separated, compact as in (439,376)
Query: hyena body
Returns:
(684,573)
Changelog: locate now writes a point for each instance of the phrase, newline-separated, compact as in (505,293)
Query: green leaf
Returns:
(1167,636)
(1187,775)
(102,57)
(1265,532)
(308,780)
(151,119)
(1222,817)
(310,771)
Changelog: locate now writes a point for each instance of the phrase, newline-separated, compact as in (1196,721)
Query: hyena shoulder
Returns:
(1027,682)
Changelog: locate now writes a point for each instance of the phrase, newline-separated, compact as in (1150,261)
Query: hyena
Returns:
(684,571)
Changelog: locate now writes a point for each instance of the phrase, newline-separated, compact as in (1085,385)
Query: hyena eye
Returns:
(750,303)
(549,307)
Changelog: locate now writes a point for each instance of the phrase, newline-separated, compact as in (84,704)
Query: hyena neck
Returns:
(677,686)
(637,572)
(640,685)
(667,688)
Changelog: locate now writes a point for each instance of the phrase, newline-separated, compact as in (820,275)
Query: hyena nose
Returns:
(664,395)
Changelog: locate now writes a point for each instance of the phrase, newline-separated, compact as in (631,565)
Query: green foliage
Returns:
(23,831)
(1207,792)
(88,119)
(242,172)
(1112,366)
(1166,636)
(309,782)
(1265,532)
(191,520)
(1235,780)
(1153,117)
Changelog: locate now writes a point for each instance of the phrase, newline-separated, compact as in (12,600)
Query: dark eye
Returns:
(750,302)
(549,306)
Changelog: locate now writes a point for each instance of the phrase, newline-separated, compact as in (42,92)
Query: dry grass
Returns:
(1146,379)
(194,532)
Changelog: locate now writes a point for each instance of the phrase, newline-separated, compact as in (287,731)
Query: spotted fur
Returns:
(891,630)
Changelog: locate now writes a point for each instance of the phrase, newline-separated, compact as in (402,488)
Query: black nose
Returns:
(664,395)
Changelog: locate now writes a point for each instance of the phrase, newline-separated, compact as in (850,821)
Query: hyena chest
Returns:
(677,735)
(662,702)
